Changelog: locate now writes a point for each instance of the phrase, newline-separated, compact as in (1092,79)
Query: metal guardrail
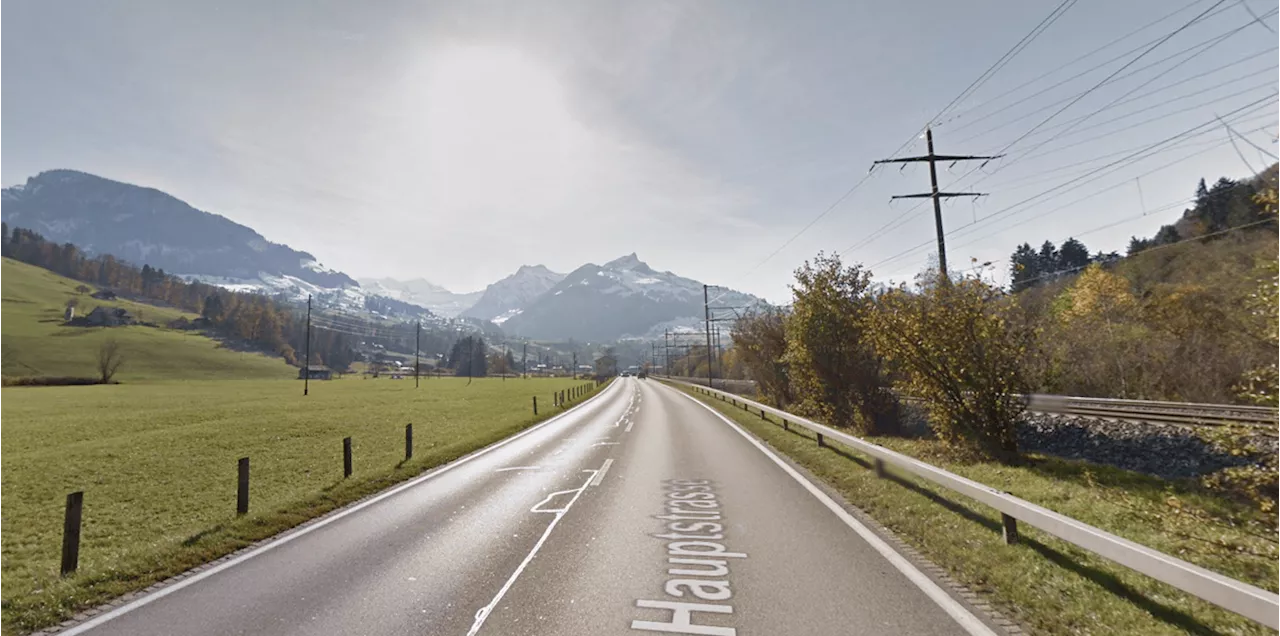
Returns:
(1249,601)
(1190,413)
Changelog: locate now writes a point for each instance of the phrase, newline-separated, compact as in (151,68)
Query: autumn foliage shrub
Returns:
(956,346)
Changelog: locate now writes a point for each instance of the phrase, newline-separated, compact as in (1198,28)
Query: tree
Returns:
(760,340)
(213,309)
(1024,268)
(1073,256)
(835,372)
(1048,259)
(958,347)
(109,359)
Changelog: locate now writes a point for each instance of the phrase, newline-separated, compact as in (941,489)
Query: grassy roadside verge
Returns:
(1045,584)
(157,464)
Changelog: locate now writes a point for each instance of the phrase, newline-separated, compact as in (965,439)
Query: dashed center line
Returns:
(595,481)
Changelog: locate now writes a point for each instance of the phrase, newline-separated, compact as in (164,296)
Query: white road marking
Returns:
(605,444)
(502,470)
(629,425)
(483,613)
(595,481)
(322,522)
(952,607)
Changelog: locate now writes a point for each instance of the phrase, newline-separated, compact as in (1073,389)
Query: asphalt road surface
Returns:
(639,511)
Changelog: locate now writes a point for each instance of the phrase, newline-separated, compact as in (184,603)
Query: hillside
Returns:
(35,343)
(624,297)
(1178,318)
(146,226)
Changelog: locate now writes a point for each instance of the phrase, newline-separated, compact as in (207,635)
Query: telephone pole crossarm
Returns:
(932,159)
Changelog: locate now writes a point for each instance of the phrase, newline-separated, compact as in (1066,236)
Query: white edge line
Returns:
(322,522)
(595,481)
(503,470)
(483,613)
(952,607)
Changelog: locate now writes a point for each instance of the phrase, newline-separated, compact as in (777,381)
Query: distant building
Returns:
(108,317)
(315,372)
(69,314)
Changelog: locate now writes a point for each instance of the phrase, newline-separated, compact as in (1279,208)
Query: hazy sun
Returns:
(492,117)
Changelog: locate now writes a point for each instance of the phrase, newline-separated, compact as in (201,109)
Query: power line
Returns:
(1064,67)
(986,75)
(1110,104)
(903,218)
(1074,183)
(1126,65)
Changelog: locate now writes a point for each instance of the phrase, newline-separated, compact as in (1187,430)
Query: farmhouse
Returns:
(315,372)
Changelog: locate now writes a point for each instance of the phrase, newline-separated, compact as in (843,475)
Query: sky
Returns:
(456,141)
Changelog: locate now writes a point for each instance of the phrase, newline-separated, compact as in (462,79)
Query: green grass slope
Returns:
(157,464)
(35,342)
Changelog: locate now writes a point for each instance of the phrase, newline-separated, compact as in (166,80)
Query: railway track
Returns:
(1185,413)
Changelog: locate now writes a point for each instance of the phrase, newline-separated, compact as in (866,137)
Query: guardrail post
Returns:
(71,533)
(1010,528)
(785,426)
(879,468)
(346,457)
(242,487)
(821,440)
(408,441)
(535,405)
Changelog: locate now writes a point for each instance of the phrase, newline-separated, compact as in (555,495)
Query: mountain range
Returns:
(144,225)
(622,298)
(423,293)
(502,299)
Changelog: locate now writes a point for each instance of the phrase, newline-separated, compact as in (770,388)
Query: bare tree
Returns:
(109,359)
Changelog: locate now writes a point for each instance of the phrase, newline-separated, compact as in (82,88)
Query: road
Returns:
(639,511)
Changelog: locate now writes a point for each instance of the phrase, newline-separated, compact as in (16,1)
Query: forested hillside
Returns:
(261,322)
(1178,318)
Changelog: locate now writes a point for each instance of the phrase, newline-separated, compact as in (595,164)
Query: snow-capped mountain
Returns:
(145,226)
(511,294)
(624,297)
(423,293)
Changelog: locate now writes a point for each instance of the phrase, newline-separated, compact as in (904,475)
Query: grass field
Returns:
(35,343)
(1048,585)
(157,464)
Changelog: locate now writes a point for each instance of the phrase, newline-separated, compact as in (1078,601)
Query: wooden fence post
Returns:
(71,533)
(242,486)
(346,457)
(821,440)
(535,405)
(408,441)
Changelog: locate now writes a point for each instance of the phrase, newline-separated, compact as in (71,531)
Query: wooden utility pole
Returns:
(306,372)
(706,309)
(666,350)
(934,194)
(417,343)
